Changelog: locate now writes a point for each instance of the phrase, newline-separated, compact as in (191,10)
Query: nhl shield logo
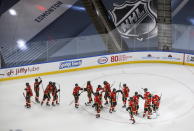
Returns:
(135,19)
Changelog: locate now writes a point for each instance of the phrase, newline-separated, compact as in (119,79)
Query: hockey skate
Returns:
(37,101)
(76,106)
(88,104)
(47,104)
(97,115)
(106,103)
(27,106)
(133,121)
(124,106)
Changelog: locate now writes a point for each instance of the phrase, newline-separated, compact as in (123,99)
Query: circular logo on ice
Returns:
(102,60)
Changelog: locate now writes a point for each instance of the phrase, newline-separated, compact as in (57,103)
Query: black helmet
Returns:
(145,89)
(36,79)
(136,93)
(27,84)
(54,83)
(50,82)
(131,98)
(88,82)
(114,90)
(99,86)
(76,84)
(105,82)
(124,84)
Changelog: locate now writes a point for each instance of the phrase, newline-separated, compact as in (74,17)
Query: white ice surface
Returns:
(175,82)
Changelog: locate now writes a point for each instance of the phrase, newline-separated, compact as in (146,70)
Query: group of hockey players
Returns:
(51,89)
(96,98)
(151,102)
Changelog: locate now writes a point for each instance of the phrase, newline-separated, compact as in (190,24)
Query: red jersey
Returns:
(107,87)
(136,99)
(148,102)
(146,94)
(36,85)
(132,105)
(89,88)
(54,91)
(100,90)
(155,99)
(28,91)
(97,100)
(76,90)
(126,91)
(48,89)
(113,96)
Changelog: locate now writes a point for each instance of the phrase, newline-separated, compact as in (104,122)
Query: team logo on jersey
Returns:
(135,19)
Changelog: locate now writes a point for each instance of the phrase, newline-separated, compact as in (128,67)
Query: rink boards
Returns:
(95,62)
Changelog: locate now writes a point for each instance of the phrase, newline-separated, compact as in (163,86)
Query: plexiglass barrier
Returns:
(83,46)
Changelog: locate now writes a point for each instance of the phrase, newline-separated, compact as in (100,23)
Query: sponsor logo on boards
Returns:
(102,60)
(69,64)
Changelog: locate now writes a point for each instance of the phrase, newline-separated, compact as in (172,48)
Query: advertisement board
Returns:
(94,62)
(189,59)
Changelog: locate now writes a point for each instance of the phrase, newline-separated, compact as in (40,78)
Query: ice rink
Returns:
(174,82)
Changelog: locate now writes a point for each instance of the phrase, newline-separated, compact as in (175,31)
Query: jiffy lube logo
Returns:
(69,64)
(22,71)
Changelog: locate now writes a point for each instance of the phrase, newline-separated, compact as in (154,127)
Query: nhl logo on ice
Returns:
(135,19)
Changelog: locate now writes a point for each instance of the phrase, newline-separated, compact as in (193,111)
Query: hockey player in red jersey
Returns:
(132,109)
(136,101)
(28,95)
(147,106)
(107,90)
(54,94)
(36,89)
(76,94)
(100,90)
(47,92)
(97,104)
(113,100)
(146,93)
(155,103)
(125,92)
(89,90)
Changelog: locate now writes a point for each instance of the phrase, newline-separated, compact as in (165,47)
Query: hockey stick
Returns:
(71,102)
(119,89)
(25,98)
(41,84)
(59,92)
(112,84)
(120,86)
